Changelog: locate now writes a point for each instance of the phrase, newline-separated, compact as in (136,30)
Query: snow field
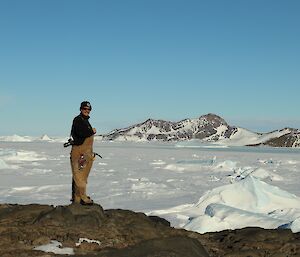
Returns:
(202,189)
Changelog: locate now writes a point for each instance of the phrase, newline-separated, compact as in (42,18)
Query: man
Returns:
(82,155)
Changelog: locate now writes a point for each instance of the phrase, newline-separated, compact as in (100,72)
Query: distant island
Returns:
(207,128)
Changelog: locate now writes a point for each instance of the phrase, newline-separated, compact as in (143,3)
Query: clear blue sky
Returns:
(133,60)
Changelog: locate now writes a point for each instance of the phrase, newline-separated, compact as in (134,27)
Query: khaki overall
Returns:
(82,157)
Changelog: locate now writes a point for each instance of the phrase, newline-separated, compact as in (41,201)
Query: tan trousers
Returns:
(82,157)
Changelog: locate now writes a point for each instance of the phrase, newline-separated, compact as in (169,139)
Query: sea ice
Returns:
(179,177)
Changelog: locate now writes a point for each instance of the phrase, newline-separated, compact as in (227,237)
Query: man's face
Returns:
(85,111)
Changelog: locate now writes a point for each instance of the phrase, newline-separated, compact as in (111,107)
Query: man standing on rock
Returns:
(82,155)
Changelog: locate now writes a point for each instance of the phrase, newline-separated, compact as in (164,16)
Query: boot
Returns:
(77,199)
(86,200)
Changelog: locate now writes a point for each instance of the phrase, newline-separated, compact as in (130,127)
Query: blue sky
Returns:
(133,60)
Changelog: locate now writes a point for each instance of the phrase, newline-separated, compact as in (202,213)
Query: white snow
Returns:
(220,131)
(16,138)
(3,164)
(245,137)
(242,137)
(23,155)
(297,142)
(248,202)
(157,162)
(46,138)
(295,225)
(90,241)
(55,247)
(227,165)
(195,143)
(204,189)
(263,174)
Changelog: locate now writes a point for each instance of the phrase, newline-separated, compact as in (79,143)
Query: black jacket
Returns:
(81,129)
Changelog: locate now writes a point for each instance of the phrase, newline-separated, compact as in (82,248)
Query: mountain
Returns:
(287,137)
(45,138)
(290,139)
(207,128)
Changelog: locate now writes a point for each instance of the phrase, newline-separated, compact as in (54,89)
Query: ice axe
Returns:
(97,155)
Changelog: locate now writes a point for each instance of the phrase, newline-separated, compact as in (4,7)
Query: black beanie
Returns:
(85,104)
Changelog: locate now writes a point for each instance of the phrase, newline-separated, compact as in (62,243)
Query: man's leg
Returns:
(73,190)
(80,181)
(87,169)
(81,162)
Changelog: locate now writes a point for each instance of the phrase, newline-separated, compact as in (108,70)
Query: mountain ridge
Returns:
(207,128)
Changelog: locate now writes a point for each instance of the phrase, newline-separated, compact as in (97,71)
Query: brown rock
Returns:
(127,233)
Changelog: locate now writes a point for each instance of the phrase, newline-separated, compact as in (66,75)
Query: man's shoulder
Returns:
(77,118)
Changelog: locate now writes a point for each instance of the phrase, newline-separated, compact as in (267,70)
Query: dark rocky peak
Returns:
(290,130)
(286,128)
(161,125)
(295,131)
(153,122)
(213,119)
(147,122)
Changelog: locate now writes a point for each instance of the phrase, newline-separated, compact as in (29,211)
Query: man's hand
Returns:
(95,131)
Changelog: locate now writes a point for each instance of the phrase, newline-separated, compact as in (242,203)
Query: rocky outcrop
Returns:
(92,231)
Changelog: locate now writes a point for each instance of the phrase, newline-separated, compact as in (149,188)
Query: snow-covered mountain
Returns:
(290,139)
(45,138)
(286,137)
(208,128)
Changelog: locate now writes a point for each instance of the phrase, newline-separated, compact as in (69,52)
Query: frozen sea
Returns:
(195,186)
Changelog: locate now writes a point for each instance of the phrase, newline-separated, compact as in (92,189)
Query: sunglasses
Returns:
(86,109)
